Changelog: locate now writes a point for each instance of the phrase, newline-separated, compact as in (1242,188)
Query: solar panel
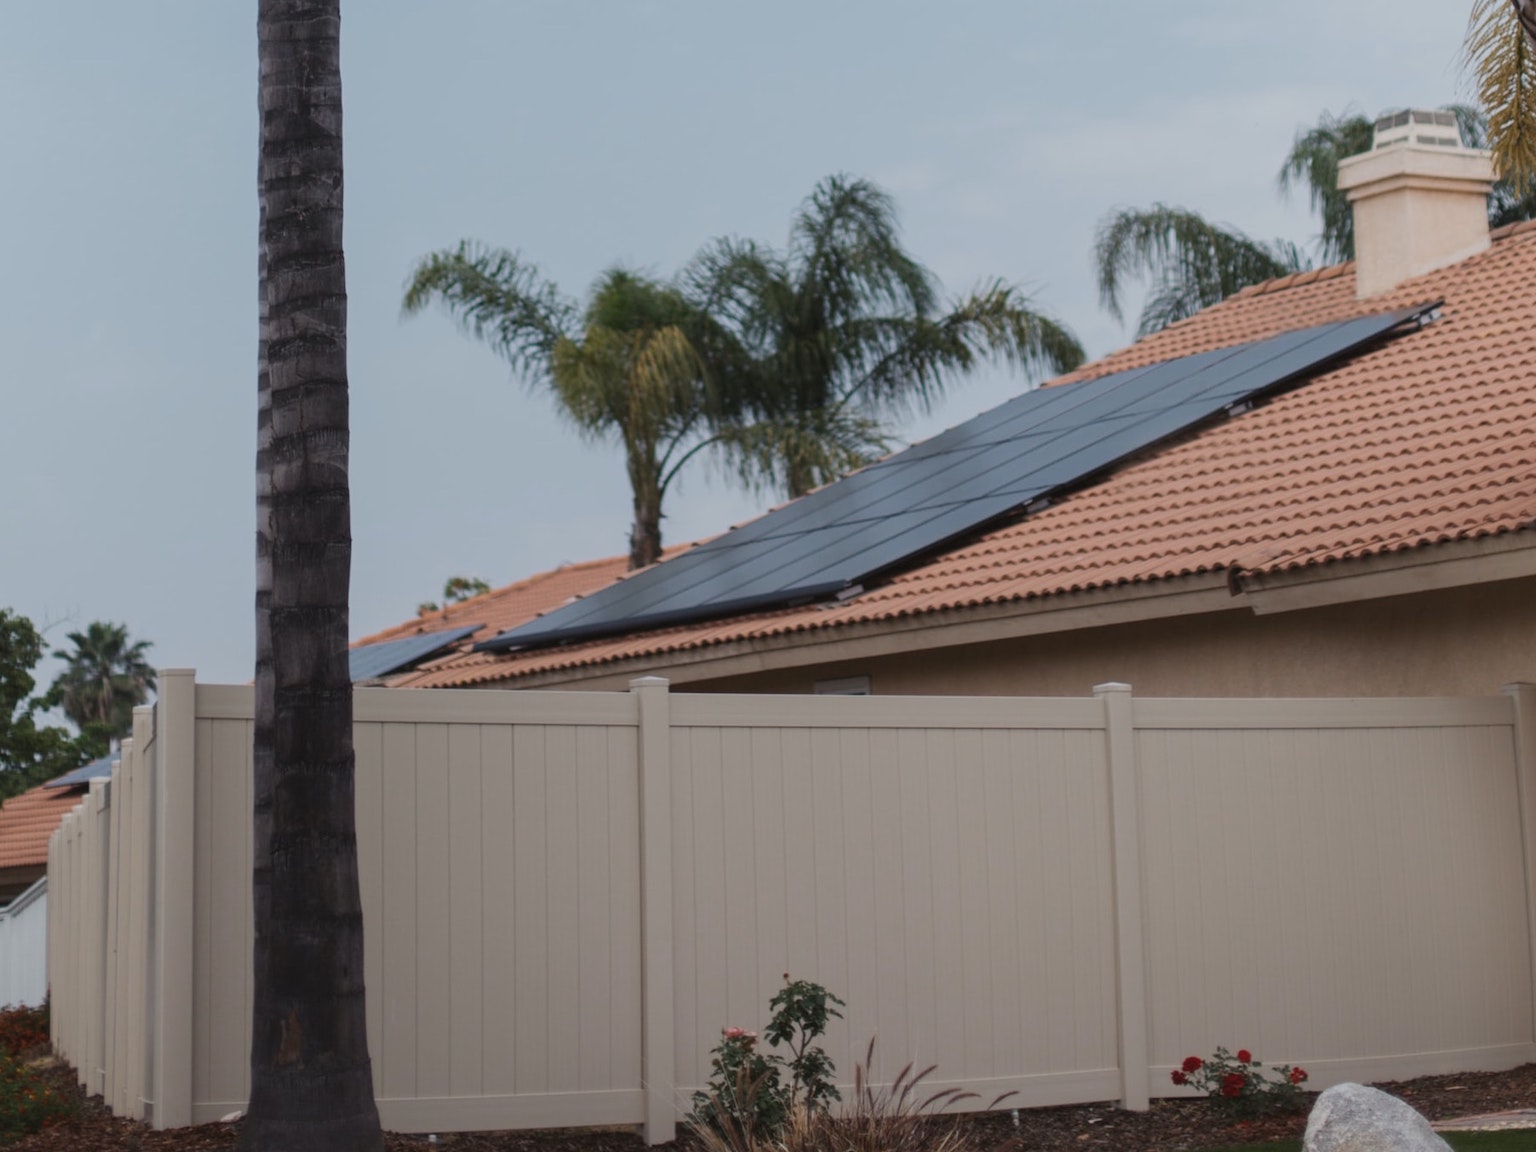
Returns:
(969,477)
(374,660)
(95,770)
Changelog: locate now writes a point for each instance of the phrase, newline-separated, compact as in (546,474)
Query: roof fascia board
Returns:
(1448,565)
(1192,595)
(1510,556)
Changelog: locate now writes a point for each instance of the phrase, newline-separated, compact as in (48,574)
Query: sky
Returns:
(583,133)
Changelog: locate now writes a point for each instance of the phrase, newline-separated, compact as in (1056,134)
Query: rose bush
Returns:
(1242,1083)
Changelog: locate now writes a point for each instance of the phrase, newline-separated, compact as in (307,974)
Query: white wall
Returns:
(24,948)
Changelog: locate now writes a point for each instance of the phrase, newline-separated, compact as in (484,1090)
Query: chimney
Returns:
(1420,198)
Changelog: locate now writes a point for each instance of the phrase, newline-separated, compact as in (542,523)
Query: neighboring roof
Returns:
(507,607)
(372,661)
(27,820)
(95,770)
(1425,440)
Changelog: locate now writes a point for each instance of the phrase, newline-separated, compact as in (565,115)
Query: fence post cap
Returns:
(1112,686)
(650,682)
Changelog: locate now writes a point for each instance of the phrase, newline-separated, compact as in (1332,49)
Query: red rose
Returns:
(1179,1077)
(1232,1084)
(1193,1063)
(1298,1075)
(1244,1056)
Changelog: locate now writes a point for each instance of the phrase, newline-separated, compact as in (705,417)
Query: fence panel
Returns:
(1062,898)
(944,866)
(1335,886)
(498,853)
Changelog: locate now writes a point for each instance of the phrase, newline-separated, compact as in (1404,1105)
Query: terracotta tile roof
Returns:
(1428,438)
(27,820)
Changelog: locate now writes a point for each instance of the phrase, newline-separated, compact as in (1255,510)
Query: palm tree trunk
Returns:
(645,534)
(311,1082)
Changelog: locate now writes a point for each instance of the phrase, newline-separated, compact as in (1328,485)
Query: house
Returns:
(1363,531)
(394,652)
(26,823)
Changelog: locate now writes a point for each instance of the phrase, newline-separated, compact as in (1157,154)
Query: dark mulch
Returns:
(1169,1124)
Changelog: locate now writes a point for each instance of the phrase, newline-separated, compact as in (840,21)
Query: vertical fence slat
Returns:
(1523,697)
(658,1060)
(174,798)
(1125,817)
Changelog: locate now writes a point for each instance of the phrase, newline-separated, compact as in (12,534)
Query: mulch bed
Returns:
(1168,1125)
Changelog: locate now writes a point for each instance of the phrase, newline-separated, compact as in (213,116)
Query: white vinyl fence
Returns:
(23,948)
(568,895)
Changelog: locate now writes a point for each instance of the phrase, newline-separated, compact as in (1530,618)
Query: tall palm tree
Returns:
(845,331)
(626,368)
(1190,262)
(1500,52)
(311,1081)
(105,677)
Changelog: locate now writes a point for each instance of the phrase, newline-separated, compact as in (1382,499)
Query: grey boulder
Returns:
(1354,1118)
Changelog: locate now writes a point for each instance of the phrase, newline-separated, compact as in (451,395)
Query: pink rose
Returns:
(734,1033)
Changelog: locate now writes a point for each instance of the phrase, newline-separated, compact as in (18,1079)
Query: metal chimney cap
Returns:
(1424,127)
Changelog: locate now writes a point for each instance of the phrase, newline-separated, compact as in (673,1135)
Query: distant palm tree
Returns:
(626,368)
(1190,262)
(1313,162)
(105,677)
(845,331)
(788,367)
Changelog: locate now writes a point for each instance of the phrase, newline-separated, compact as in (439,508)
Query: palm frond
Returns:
(1313,161)
(847,246)
(802,451)
(1190,262)
(994,323)
(495,296)
(1500,52)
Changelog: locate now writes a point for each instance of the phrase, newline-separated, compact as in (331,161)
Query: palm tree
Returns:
(1190,262)
(311,1081)
(842,333)
(625,369)
(1500,51)
(1314,163)
(105,677)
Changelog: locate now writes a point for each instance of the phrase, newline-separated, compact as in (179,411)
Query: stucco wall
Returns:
(1460,642)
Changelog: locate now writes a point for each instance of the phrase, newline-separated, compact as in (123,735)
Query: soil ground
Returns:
(1168,1125)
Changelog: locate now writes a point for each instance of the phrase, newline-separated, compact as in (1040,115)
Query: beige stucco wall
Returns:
(1465,641)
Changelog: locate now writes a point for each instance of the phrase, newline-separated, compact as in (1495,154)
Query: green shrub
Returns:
(748,1094)
(30,1100)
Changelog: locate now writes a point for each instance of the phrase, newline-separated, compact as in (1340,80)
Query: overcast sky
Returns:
(583,133)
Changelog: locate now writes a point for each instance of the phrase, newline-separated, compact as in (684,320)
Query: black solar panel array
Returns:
(375,660)
(971,476)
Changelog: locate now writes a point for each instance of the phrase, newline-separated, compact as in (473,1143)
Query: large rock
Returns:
(1354,1118)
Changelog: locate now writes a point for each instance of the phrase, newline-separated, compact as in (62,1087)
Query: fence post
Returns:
(175,735)
(1523,697)
(1125,828)
(658,1066)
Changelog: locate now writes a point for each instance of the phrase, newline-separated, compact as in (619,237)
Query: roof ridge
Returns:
(1509,231)
(1292,280)
(460,607)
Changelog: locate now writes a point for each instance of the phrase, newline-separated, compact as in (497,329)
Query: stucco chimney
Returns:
(1420,199)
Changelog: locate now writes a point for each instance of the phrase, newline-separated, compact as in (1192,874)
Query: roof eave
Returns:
(1448,564)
